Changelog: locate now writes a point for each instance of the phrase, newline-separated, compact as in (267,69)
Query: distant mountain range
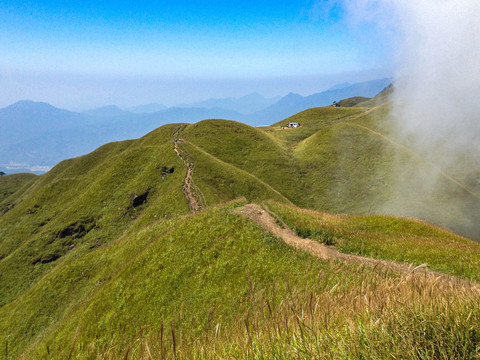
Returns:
(293,103)
(35,136)
(146,108)
(244,105)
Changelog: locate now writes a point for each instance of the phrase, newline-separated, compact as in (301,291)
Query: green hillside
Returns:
(192,273)
(353,101)
(141,249)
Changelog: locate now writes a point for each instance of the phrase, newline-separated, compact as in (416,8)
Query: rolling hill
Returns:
(193,242)
(35,136)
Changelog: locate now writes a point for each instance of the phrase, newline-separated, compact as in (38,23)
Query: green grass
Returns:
(312,121)
(11,187)
(199,264)
(341,176)
(80,265)
(83,190)
(248,149)
(217,268)
(390,238)
(353,101)
(406,318)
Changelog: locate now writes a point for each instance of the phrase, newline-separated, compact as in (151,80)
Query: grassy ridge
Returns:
(353,101)
(355,164)
(248,149)
(81,264)
(223,182)
(55,240)
(342,176)
(398,239)
(312,121)
(198,264)
(217,268)
(81,205)
(11,186)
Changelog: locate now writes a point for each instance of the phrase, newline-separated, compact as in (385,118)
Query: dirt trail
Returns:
(194,196)
(265,218)
(241,170)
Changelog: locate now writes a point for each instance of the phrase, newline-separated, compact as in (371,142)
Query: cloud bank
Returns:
(436,104)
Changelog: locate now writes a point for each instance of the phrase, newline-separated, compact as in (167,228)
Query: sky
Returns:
(82,54)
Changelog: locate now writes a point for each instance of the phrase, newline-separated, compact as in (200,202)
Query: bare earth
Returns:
(188,186)
(264,217)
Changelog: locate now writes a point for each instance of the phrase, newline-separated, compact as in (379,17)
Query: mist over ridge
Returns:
(435,110)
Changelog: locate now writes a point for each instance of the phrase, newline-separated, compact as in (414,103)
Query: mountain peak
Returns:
(292,94)
(29,105)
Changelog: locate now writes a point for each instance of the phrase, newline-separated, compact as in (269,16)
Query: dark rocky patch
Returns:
(35,208)
(43,223)
(139,199)
(167,170)
(77,229)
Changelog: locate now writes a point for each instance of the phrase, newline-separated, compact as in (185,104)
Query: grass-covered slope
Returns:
(311,121)
(217,277)
(385,237)
(248,149)
(10,187)
(353,101)
(87,202)
(102,257)
(82,204)
(350,161)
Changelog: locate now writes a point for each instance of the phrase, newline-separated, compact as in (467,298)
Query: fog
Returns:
(436,106)
(437,92)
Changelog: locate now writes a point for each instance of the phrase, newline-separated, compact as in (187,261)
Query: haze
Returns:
(79,55)
(435,110)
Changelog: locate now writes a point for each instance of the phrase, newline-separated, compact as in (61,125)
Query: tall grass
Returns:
(412,317)
(388,238)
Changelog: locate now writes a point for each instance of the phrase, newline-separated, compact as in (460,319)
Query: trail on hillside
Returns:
(265,218)
(243,171)
(195,198)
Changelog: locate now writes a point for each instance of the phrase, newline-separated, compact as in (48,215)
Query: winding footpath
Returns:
(192,193)
(269,221)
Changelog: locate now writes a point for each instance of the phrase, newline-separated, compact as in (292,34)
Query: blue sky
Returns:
(88,53)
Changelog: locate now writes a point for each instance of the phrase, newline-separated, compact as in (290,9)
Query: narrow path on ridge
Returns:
(241,170)
(265,218)
(195,198)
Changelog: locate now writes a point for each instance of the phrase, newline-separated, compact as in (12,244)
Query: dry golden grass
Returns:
(388,317)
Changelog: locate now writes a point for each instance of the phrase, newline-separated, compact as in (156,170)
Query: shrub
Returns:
(320,235)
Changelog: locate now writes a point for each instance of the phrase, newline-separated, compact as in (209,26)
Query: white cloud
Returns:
(436,105)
